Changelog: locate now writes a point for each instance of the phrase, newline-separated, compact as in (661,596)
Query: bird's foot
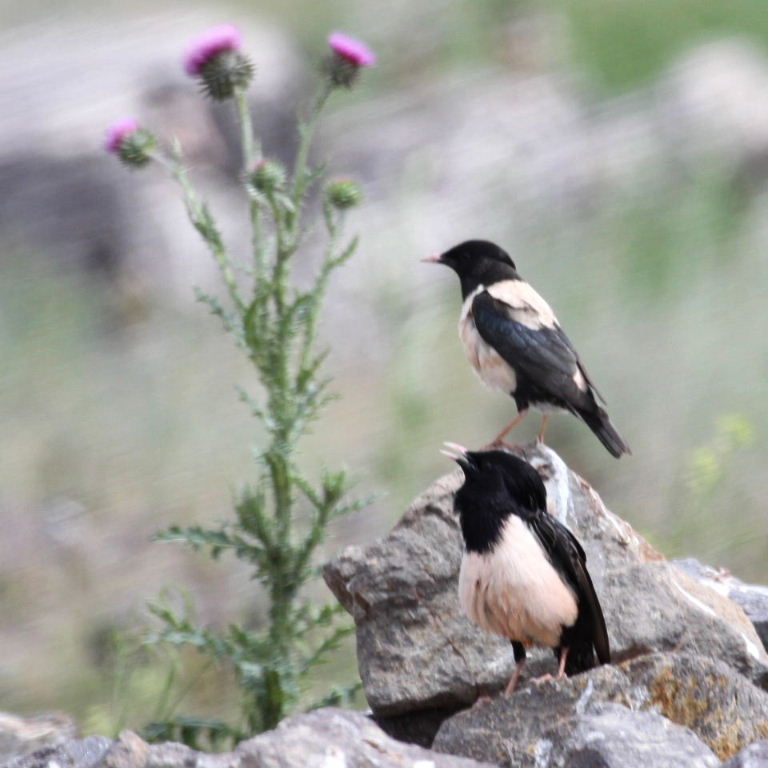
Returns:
(549,678)
(542,431)
(497,443)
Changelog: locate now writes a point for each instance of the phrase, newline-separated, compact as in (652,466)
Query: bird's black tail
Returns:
(587,642)
(581,657)
(597,420)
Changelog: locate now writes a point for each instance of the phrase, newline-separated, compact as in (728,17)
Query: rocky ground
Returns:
(687,685)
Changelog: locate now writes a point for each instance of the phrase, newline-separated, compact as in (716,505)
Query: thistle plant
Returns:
(282,517)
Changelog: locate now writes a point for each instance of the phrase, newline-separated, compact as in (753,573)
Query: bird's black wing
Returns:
(544,355)
(569,559)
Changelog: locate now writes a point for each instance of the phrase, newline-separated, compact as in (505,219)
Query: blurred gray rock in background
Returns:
(526,133)
(63,199)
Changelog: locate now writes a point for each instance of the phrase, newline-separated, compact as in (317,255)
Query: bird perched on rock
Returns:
(515,343)
(523,574)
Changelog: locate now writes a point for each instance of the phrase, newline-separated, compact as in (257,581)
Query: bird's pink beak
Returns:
(434,259)
(457,451)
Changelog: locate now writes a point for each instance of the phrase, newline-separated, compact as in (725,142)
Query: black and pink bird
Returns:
(523,573)
(515,343)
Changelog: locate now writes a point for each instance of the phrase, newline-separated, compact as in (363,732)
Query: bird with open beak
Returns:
(515,343)
(523,573)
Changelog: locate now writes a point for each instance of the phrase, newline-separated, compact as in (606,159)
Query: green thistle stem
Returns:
(306,134)
(203,221)
(251,149)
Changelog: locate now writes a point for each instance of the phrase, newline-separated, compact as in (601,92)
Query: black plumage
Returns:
(523,574)
(515,343)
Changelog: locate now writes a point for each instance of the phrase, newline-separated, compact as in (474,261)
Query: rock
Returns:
(338,738)
(129,751)
(616,737)
(416,651)
(724,709)
(64,200)
(608,540)
(510,730)
(414,727)
(754,756)
(75,753)
(752,598)
(713,101)
(656,607)
(20,736)
(332,738)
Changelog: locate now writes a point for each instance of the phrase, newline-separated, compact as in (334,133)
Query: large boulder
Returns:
(416,651)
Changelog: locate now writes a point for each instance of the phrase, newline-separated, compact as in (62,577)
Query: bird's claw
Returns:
(496,444)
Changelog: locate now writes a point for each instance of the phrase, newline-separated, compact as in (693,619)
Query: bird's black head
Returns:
(496,485)
(477,262)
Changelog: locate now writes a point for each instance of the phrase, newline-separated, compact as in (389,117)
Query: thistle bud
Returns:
(348,56)
(268,176)
(343,194)
(130,142)
(215,59)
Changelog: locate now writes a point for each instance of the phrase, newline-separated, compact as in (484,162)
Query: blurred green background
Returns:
(619,150)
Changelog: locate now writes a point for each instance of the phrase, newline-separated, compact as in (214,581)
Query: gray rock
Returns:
(656,607)
(325,738)
(130,751)
(724,709)
(337,738)
(417,727)
(417,651)
(514,730)
(75,753)
(616,737)
(21,736)
(753,598)
(609,541)
(754,756)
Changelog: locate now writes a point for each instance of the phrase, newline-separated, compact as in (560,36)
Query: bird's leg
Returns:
(513,681)
(560,670)
(519,650)
(499,439)
(544,422)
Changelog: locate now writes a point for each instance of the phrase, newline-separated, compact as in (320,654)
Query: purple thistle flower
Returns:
(208,45)
(118,132)
(132,144)
(351,50)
